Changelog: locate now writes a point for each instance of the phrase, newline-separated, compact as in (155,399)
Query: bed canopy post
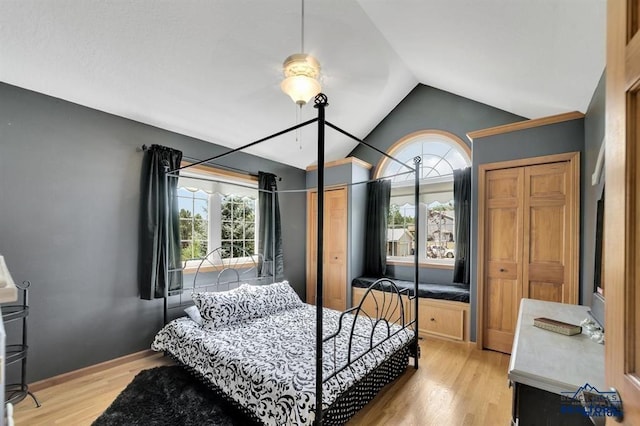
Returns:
(320,104)
(273,232)
(165,179)
(416,250)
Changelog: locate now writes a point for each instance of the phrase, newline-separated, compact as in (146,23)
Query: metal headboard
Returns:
(223,268)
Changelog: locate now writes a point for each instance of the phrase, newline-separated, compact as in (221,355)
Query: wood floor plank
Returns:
(456,384)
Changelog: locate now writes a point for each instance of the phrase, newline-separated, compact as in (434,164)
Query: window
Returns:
(441,153)
(217,209)
(194,222)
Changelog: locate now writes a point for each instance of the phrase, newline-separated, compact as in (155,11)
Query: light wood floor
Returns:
(456,384)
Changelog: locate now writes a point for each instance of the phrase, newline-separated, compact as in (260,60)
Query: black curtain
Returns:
(158,203)
(270,238)
(375,253)
(462,211)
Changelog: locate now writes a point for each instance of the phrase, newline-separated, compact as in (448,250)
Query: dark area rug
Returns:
(170,396)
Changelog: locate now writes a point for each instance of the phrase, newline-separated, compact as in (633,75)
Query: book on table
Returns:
(557,326)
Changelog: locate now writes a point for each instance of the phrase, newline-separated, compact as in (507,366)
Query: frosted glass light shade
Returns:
(301,72)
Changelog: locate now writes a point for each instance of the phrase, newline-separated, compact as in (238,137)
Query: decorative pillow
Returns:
(248,302)
(276,297)
(194,314)
(224,308)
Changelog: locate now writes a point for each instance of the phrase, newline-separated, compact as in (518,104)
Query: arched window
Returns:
(441,153)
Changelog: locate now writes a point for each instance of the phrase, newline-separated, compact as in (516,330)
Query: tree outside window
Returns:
(194,222)
(238,225)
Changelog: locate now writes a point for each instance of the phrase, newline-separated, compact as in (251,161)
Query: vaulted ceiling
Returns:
(211,69)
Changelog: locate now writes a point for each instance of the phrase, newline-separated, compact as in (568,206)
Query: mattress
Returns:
(268,364)
(457,293)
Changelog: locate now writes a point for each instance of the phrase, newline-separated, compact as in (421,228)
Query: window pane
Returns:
(187,250)
(227,230)
(238,210)
(200,248)
(250,247)
(238,231)
(185,204)
(226,210)
(226,249)
(250,231)
(200,208)
(185,229)
(200,229)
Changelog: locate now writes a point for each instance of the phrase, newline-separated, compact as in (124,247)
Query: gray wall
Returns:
(552,139)
(593,138)
(69,207)
(429,108)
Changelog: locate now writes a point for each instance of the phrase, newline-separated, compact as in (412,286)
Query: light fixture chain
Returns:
(302,29)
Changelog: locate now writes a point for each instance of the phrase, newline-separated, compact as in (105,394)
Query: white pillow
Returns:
(194,314)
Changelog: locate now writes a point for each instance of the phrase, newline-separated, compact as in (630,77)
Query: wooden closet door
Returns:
(335,248)
(503,256)
(530,243)
(548,243)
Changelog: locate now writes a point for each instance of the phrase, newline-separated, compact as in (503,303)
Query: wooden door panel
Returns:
(546,273)
(503,184)
(501,314)
(548,291)
(548,180)
(547,225)
(503,228)
(502,293)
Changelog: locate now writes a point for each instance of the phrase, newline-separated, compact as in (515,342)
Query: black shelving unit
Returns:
(17,353)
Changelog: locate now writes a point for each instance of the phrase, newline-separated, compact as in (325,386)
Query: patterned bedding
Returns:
(267,364)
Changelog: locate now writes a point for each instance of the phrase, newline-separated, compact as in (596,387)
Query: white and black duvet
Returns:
(267,364)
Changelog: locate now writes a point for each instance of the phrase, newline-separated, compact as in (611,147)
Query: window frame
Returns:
(399,145)
(222,175)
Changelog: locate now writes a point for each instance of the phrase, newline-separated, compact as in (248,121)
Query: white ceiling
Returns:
(211,69)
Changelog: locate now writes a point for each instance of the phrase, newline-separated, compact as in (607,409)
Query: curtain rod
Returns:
(220,166)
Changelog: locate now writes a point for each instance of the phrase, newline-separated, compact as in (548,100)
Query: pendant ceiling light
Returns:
(301,72)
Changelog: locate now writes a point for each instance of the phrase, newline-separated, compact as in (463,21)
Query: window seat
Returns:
(453,292)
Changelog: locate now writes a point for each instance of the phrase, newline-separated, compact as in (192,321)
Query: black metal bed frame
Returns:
(320,103)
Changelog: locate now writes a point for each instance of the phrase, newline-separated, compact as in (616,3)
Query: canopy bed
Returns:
(255,346)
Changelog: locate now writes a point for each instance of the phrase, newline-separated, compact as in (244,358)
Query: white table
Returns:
(545,364)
